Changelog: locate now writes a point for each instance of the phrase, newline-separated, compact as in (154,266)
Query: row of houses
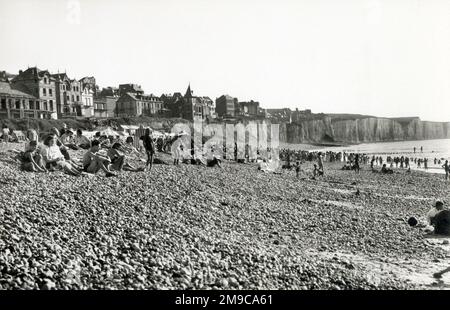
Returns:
(36,93)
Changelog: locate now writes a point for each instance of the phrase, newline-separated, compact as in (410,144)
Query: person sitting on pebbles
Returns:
(32,160)
(54,159)
(316,172)
(384,169)
(94,161)
(54,132)
(68,141)
(118,159)
(81,141)
(439,218)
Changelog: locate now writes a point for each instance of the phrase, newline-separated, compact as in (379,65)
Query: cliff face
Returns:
(362,130)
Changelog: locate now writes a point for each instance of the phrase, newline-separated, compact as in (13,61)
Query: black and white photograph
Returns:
(241,148)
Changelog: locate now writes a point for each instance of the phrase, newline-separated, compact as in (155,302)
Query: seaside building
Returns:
(226,106)
(130,88)
(41,85)
(193,107)
(87,102)
(105,106)
(68,96)
(109,92)
(173,104)
(248,108)
(89,82)
(16,102)
(135,104)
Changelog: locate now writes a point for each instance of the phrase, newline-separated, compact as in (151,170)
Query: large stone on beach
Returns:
(442,223)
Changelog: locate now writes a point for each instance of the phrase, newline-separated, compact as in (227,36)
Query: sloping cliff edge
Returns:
(362,130)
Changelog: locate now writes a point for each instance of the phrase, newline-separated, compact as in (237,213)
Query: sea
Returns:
(431,149)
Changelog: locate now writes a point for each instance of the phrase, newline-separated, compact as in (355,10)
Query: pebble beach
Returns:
(193,227)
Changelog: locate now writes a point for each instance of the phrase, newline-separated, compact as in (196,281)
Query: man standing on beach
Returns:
(356,166)
(446,169)
(320,162)
(149,148)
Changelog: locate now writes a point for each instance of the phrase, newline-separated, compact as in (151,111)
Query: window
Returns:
(38,105)
(45,80)
(31,105)
(73,98)
(78,98)
(3,104)
(51,105)
(68,98)
(10,104)
(44,91)
(45,106)
(50,92)
(18,104)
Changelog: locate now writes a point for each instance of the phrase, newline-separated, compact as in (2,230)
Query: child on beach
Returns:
(297,169)
(5,133)
(32,160)
(149,148)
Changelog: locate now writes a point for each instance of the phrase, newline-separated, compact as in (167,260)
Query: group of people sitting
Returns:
(53,154)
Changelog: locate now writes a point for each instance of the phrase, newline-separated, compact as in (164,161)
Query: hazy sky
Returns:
(384,58)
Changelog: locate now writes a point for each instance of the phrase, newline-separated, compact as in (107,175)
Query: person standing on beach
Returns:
(421,149)
(446,169)
(425,163)
(357,168)
(149,148)
(297,169)
(320,162)
(5,133)
(414,150)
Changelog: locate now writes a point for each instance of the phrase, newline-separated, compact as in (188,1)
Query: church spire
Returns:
(188,91)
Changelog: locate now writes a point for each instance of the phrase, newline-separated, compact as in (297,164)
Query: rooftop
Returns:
(12,90)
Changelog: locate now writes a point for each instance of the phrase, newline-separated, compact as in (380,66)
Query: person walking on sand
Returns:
(414,150)
(446,169)
(149,148)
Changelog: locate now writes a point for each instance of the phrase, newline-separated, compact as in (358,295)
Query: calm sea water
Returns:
(432,149)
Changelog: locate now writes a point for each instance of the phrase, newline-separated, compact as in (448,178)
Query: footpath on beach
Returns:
(234,227)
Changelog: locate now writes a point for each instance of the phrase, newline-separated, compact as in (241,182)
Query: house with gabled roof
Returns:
(136,104)
(41,85)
